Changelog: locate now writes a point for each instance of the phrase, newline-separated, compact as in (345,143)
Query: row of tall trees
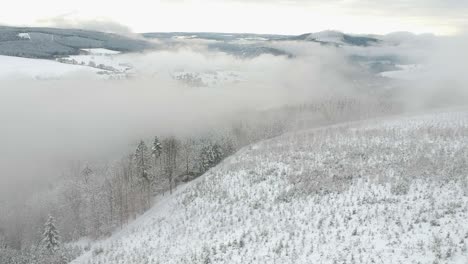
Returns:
(94,199)
(125,189)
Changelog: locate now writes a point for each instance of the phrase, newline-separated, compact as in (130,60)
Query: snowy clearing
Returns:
(24,35)
(101,51)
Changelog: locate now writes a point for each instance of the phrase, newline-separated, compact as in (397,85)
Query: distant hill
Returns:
(48,43)
(336,38)
(213,36)
(241,45)
(248,45)
(324,37)
(51,43)
(33,42)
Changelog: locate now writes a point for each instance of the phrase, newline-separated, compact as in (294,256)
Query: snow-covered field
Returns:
(101,58)
(109,64)
(379,191)
(101,51)
(406,72)
(108,61)
(24,35)
(16,67)
(100,63)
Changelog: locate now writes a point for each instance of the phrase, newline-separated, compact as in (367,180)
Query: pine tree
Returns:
(156,148)
(156,152)
(211,155)
(50,237)
(171,147)
(86,173)
(142,161)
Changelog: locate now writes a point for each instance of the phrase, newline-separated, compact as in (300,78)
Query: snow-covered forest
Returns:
(92,199)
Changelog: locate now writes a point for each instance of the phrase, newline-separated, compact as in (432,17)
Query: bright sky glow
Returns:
(258,16)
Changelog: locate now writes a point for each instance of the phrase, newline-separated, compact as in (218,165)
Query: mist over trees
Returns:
(94,198)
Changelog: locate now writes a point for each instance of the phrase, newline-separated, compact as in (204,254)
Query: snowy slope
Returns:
(111,62)
(16,67)
(380,191)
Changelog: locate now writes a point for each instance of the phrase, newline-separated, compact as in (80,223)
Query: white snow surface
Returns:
(115,63)
(100,51)
(24,35)
(16,67)
(407,72)
(389,190)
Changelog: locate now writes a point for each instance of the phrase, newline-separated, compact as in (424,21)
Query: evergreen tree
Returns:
(156,152)
(50,237)
(86,173)
(171,147)
(211,155)
(142,161)
(156,148)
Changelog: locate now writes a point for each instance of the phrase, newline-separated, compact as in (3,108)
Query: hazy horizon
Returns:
(352,16)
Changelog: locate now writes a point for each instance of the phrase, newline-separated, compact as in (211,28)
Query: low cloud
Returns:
(81,118)
(47,123)
(70,21)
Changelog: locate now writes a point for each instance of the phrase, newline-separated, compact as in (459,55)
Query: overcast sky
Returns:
(260,16)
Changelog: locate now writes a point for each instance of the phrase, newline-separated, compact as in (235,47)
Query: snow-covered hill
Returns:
(380,191)
(48,43)
(104,59)
(16,67)
(331,37)
(99,63)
